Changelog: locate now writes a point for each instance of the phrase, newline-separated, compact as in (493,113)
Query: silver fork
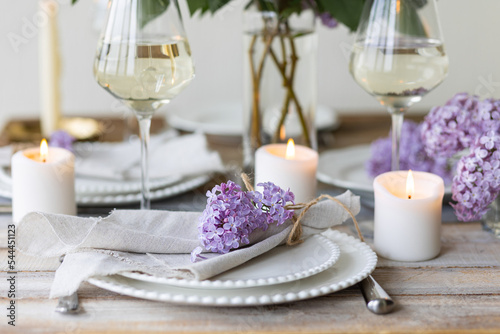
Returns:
(68,304)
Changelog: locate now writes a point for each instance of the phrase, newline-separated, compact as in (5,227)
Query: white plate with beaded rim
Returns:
(279,265)
(99,186)
(184,185)
(355,263)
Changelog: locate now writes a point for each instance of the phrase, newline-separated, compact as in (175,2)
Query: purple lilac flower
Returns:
(467,123)
(62,139)
(477,182)
(412,154)
(273,201)
(231,215)
(451,128)
(326,18)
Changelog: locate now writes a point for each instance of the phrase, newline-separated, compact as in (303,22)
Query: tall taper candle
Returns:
(49,63)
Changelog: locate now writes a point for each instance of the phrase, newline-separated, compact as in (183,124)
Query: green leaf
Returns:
(204,6)
(151,9)
(73,1)
(347,12)
(290,7)
(249,4)
(267,5)
(195,5)
(215,5)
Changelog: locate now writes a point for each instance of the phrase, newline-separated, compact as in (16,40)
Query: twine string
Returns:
(295,235)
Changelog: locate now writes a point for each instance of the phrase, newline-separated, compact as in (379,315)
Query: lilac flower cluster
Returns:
(412,154)
(467,123)
(451,128)
(62,139)
(231,215)
(477,182)
(326,18)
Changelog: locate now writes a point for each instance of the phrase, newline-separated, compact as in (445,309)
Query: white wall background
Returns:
(471,29)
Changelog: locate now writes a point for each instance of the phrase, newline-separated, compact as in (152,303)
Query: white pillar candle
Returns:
(49,69)
(43,184)
(296,171)
(408,229)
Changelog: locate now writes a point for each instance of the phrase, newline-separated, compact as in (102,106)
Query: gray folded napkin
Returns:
(154,242)
(170,155)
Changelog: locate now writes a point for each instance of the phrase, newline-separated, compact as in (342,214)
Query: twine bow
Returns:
(295,235)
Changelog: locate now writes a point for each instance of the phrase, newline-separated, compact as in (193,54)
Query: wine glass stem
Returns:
(145,126)
(397,123)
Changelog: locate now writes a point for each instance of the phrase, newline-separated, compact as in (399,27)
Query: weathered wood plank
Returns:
(463,245)
(336,314)
(29,263)
(397,282)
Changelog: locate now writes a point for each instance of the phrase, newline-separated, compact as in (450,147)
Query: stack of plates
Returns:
(96,192)
(321,265)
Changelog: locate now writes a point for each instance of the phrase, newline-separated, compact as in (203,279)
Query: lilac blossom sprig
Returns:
(451,128)
(231,215)
(412,155)
(477,182)
(326,18)
(62,139)
(466,123)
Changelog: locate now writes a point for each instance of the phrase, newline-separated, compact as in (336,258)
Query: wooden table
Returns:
(457,292)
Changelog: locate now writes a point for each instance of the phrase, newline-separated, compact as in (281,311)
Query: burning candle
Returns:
(408,215)
(43,179)
(288,166)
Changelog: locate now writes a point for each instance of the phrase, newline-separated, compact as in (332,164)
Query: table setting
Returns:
(276,213)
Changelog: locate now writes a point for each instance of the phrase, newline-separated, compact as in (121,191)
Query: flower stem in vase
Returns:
(256,79)
(288,84)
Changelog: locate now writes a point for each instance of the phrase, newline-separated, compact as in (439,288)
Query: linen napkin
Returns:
(154,242)
(169,155)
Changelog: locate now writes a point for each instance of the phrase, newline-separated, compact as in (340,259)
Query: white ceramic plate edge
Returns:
(313,269)
(182,186)
(354,254)
(361,154)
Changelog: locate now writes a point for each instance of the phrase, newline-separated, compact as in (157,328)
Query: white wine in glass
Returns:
(398,56)
(152,78)
(144,60)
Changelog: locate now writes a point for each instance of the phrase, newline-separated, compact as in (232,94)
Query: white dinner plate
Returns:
(355,263)
(345,168)
(182,186)
(85,185)
(279,265)
(227,119)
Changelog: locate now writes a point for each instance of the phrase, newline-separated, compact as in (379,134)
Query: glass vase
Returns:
(280,73)
(491,220)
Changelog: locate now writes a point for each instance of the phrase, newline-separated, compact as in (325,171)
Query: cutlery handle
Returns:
(377,300)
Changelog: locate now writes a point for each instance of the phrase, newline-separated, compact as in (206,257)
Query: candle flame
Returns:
(410,185)
(44,150)
(290,149)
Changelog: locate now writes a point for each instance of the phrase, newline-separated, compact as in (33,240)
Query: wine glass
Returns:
(144,60)
(398,56)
